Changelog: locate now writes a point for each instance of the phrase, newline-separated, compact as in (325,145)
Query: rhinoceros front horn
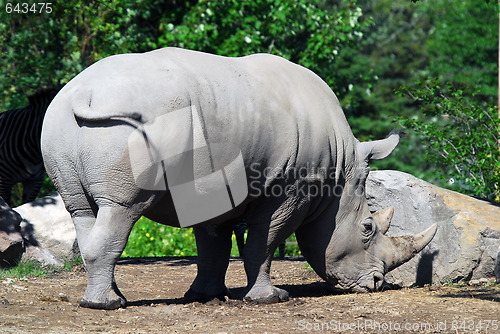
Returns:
(404,248)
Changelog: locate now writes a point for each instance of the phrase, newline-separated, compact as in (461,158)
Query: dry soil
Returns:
(155,288)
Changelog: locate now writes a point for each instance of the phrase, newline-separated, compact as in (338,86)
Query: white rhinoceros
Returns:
(187,138)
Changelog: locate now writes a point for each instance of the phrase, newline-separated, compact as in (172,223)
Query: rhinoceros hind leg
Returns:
(193,296)
(214,248)
(101,244)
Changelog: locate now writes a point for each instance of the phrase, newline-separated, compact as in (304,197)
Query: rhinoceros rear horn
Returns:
(383,218)
(406,247)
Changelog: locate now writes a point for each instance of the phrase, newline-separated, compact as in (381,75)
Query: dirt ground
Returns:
(154,289)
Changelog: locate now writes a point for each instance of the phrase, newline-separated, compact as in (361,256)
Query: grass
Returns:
(33,268)
(149,239)
(23,269)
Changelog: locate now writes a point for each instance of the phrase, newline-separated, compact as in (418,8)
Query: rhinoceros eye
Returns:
(367,231)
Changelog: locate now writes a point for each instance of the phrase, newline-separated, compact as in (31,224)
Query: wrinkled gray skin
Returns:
(280,115)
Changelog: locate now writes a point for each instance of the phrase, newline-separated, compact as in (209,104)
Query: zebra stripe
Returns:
(20,153)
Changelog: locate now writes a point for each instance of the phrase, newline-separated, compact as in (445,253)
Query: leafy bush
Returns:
(152,239)
(306,32)
(462,135)
(17,191)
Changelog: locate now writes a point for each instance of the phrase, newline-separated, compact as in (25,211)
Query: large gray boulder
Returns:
(467,243)
(48,230)
(11,240)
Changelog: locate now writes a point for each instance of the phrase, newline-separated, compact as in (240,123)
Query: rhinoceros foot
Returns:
(110,300)
(267,294)
(195,296)
(104,305)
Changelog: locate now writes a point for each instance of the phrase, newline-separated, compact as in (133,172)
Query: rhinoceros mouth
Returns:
(367,283)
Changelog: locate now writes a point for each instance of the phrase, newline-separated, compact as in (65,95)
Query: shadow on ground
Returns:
(480,292)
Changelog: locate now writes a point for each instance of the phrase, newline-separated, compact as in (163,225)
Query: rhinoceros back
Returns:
(279,115)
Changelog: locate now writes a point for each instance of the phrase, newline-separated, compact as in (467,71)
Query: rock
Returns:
(11,248)
(48,230)
(497,267)
(474,282)
(63,297)
(466,245)
(42,255)
(11,240)
(484,280)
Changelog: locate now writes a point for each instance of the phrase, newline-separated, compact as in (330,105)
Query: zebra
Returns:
(20,154)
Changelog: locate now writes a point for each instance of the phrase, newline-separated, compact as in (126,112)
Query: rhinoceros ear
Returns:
(379,149)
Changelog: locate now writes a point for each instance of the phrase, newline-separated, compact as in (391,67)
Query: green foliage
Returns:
(291,247)
(452,40)
(73,263)
(301,31)
(17,191)
(48,49)
(460,134)
(392,50)
(462,46)
(42,50)
(152,239)
(47,187)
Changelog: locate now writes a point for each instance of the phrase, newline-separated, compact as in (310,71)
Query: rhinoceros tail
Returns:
(83,109)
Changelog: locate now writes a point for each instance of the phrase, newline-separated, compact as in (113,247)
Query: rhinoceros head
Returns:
(348,247)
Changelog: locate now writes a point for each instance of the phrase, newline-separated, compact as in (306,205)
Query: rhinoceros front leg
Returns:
(213,243)
(101,243)
(258,256)
(262,241)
